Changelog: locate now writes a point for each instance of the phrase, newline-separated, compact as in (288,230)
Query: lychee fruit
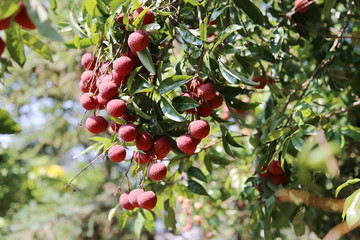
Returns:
(206,91)
(119,80)
(124,202)
(88,101)
(278,179)
(115,126)
(199,129)
(128,132)
(147,200)
(238,111)
(108,89)
(162,147)
(143,141)
(275,168)
(270,81)
(299,6)
(5,23)
(96,124)
(134,58)
(88,82)
(142,158)
(138,41)
(264,173)
(194,84)
(217,101)
(123,66)
(2,46)
(104,68)
(157,171)
(261,79)
(187,143)
(205,109)
(117,153)
(102,102)
(148,18)
(134,195)
(23,19)
(116,107)
(127,117)
(88,61)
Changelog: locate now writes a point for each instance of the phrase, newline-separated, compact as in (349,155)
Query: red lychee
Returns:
(104,68)
(148,18)
(261,79)
(270,81)
(205,109)
(115,126)
(88,61)
(117,153)
(300,5)
(142,158)
(147,200)
(134,58)
(128,132)
(2,46)
(88,82)
(275,168)
(207,91)
(278,179)
(96,124)
(187,143)
(23,19)
(5,23)
(127,117)
(124,202)
(194,84)
(119,80)
(217,101)
(138,41)
(116,107)
(102,102)
(133,196)
(238,111)
(108,89)
(123,66)
(88,101)
(162,146)
(199,129)
(143,141)
(264,173)
(157,171)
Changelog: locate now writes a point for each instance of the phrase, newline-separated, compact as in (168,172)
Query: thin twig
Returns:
(344,110)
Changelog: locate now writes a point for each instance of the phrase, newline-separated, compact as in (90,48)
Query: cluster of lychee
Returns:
(138,198)
(21,17)
(275,172)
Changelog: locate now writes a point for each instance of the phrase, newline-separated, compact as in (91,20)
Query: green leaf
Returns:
(36,45)
(152,28)
(149,222)
(232,76)
(182,103)
(353,212)
(14,43)
(251,10)
(348,202)
(90,6)
(115,4)
(170,220)
(229,30)
(53,4)
(203,28)
(7,124)
(139,18)
(196,173)
(217,12)
(173,82)
(169,111)
(240,105)
(99,139)
(276,134)
(208,164)
(329,4)
(112,212)
(138,225)
(218,160)
(195,187)
(75,26)
(122,220)
(297,142)
(146,60)
(188,37)
(351,131)
(277,41)
(347,183)
(230,140)
(8,8)
(140,112)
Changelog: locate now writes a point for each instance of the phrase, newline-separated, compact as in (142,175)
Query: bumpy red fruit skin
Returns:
(88,101)
(23,19)
(194,84)
(87,82)
(88,61)
(133,196)
(275,168)
(117,153)
(142,158)
(278,179)
(147,200)
(96,124)
(138,41)
(127,117)
(119,80)
(205,109)
(299,5)
(108,89)
(2,46)
(115,126)
(157,171)
(264,173)
(187,143)
(5,23)
(143,141)
(123,66)
(162,146)
(207,91)
(217,101)
(116,107)
(134,58)
(199,129)
(124,202)
(260,79)
(148,18)
(128,132)
(102,102)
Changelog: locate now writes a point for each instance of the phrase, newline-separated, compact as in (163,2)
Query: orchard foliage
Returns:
(259,101)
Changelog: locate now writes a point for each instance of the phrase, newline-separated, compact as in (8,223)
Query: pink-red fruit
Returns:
(207,91)
(119,80)
(260,79)
(299,5)
(117,153)
(264,172)
(205,109)
(143,141)
(2,46)
(128,132)
(161,148)
(142,158)
(5,23)
(115,126)
(133,197)
(278,179)
(199,129)
(107,89)
(187,143)
(88,101)
(138,41)
(123,66)
(23,19)
(275,168)
(217,101)
(116,107)
(88,61)
(148,18)
(87,82)
(147,200)
(124,202)
(194,84)
(96,124)
(157,171)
